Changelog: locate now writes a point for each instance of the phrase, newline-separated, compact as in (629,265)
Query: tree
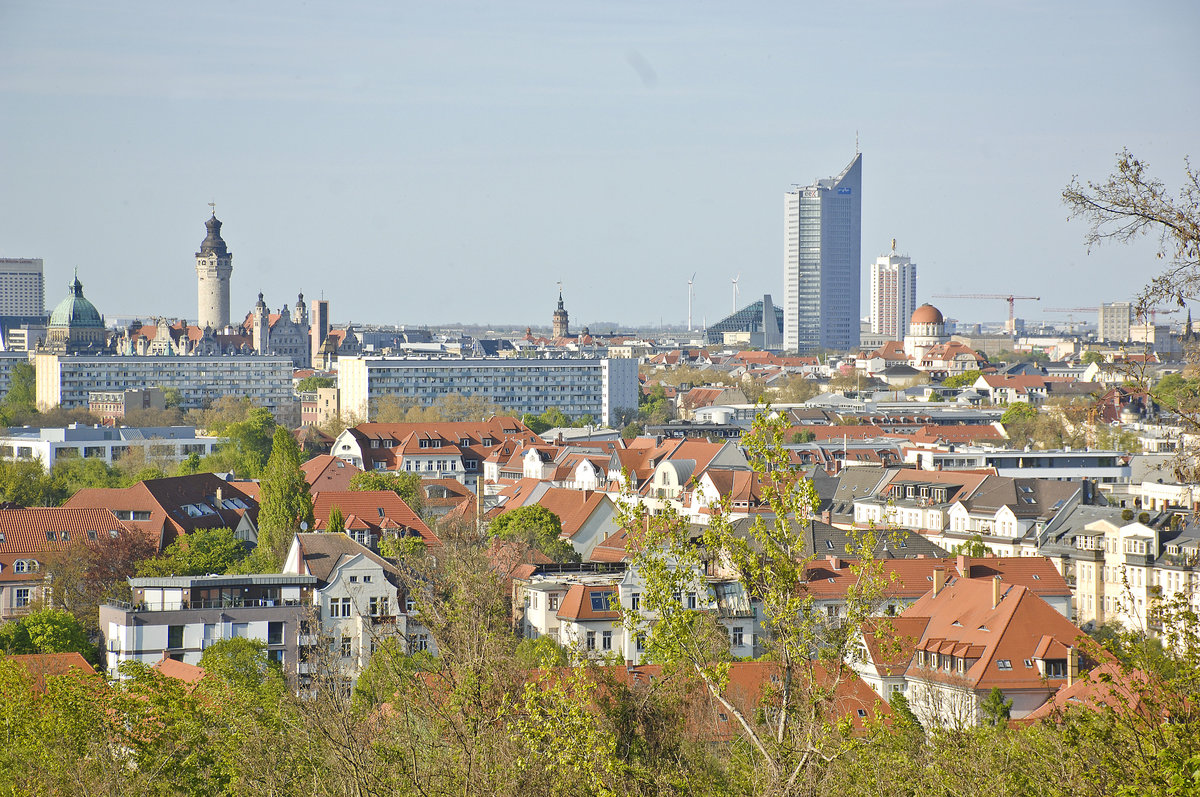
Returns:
(974,547)
(1092,358)
(1131,204)
(249,445)
(995,709)
(542,653)
(89,573)
(47,631)
(965,379)
(405,484)
(310,384)
(1019,411)
(284,503)
(24,482)
(202,552)
(803,436)
(172,397)
(76,473)
(337,521)
(21,397)
(537,527)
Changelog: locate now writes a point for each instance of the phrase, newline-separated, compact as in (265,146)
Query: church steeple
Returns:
(561,320)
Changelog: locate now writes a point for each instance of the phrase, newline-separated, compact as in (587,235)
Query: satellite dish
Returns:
(304,525)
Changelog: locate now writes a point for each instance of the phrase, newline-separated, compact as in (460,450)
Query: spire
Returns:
(213,243)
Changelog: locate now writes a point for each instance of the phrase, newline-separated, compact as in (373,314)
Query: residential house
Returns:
(371,515)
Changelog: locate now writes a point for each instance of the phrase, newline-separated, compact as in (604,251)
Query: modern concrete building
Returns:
(214,265)
(596,387)
(50,445)
(22,290)
(1115,320)
(67,380)
(893,294)
(822,262)
(178,617)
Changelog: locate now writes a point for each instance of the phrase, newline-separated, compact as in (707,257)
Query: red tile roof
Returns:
(378,510)
(577,603)
(50,665)
(325,472)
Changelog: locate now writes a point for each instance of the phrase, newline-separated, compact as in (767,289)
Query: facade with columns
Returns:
(214,265)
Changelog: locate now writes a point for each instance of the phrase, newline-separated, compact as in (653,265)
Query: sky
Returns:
(438,162)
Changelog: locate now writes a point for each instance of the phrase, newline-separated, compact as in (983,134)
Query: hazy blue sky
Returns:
(441,161)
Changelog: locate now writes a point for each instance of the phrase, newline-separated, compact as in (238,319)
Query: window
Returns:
(738,638)
(22,597)
(346,646)
(691,600)
(345,607)
(635,600)
(591,640)
(606,641)
(353,579)
(410,604)
(20,566)
(419,642)
(366,579)
(1056,668)
(601,600)
(534,601)
(275,633)
(1004,664)
(641,643)
(174,636)
(553,602)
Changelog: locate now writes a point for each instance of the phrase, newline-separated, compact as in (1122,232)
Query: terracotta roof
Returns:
(376,509)
(1108,685)
(325,472)
(573,507)
(891,641)
(914,577)
(49,665)
(581,599)
(180,671)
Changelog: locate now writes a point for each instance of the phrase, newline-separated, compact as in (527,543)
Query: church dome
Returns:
(926,314)
(213,243)
(75,311)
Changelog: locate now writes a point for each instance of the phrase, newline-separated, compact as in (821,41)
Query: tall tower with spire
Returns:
(561,321)
(214,264)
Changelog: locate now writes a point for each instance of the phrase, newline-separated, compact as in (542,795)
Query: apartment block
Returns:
(586,386)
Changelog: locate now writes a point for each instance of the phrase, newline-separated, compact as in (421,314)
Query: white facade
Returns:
(596,387)
(1115,320)
(49,446)
(22,287)
(66,380)
(893,294)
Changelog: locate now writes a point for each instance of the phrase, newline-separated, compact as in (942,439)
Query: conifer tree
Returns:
(285,505)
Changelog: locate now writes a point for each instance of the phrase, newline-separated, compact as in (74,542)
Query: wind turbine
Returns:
(690,295)
(735,290)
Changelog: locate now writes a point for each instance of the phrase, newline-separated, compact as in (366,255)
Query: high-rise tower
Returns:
(893,294)
(214,264)
(822,262)
(561,323)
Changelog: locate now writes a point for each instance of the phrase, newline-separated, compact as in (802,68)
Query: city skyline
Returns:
(617,148)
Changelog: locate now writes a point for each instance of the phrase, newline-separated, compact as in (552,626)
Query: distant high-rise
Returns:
(214,264)
(1115,319)
(822,262)
(320,327)
(22,288)
(893,294)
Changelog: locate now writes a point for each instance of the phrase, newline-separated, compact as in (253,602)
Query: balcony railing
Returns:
(230,603)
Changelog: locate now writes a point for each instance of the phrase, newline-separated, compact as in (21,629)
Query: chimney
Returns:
(1072,665)
(939,579)
(218,495)
(964,566)
(834,561)
(996,591)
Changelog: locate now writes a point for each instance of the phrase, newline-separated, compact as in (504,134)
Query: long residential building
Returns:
(50,445)
(585,386)
(66,380)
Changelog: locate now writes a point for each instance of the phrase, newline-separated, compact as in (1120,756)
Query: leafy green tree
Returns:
(172,397)
(310,384)
(405,484)
(974,547)
(47,631)
(22,390)
(202,552)
(537,527)
(965,379)
(995,709)
(903,711)
(284,499)
(25,482)
(248,447)
(803,436)
(189,465)
(1019,411)
(76,473)
(632,430)
(337,521)
(1092,358)
(542,653)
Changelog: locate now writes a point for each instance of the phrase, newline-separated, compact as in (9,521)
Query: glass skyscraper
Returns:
(823,263)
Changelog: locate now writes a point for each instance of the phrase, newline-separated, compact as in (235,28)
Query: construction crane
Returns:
(1071,311)
(1008,297)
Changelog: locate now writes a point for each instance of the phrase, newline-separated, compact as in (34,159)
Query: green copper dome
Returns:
(75,311)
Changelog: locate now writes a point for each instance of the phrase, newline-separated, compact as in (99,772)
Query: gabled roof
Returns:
(42,529)
(578,603)
(326,472)
(378,510)
(180,671)
(321,553)
(830,577)
(573,507)
(41,666)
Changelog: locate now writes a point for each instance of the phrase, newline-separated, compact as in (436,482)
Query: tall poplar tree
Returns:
(284,500)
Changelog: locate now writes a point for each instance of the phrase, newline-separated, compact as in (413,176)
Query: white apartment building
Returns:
(22,287)
(893,294)
(49,446)
(584,386)
(66,380)
(1115,320)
